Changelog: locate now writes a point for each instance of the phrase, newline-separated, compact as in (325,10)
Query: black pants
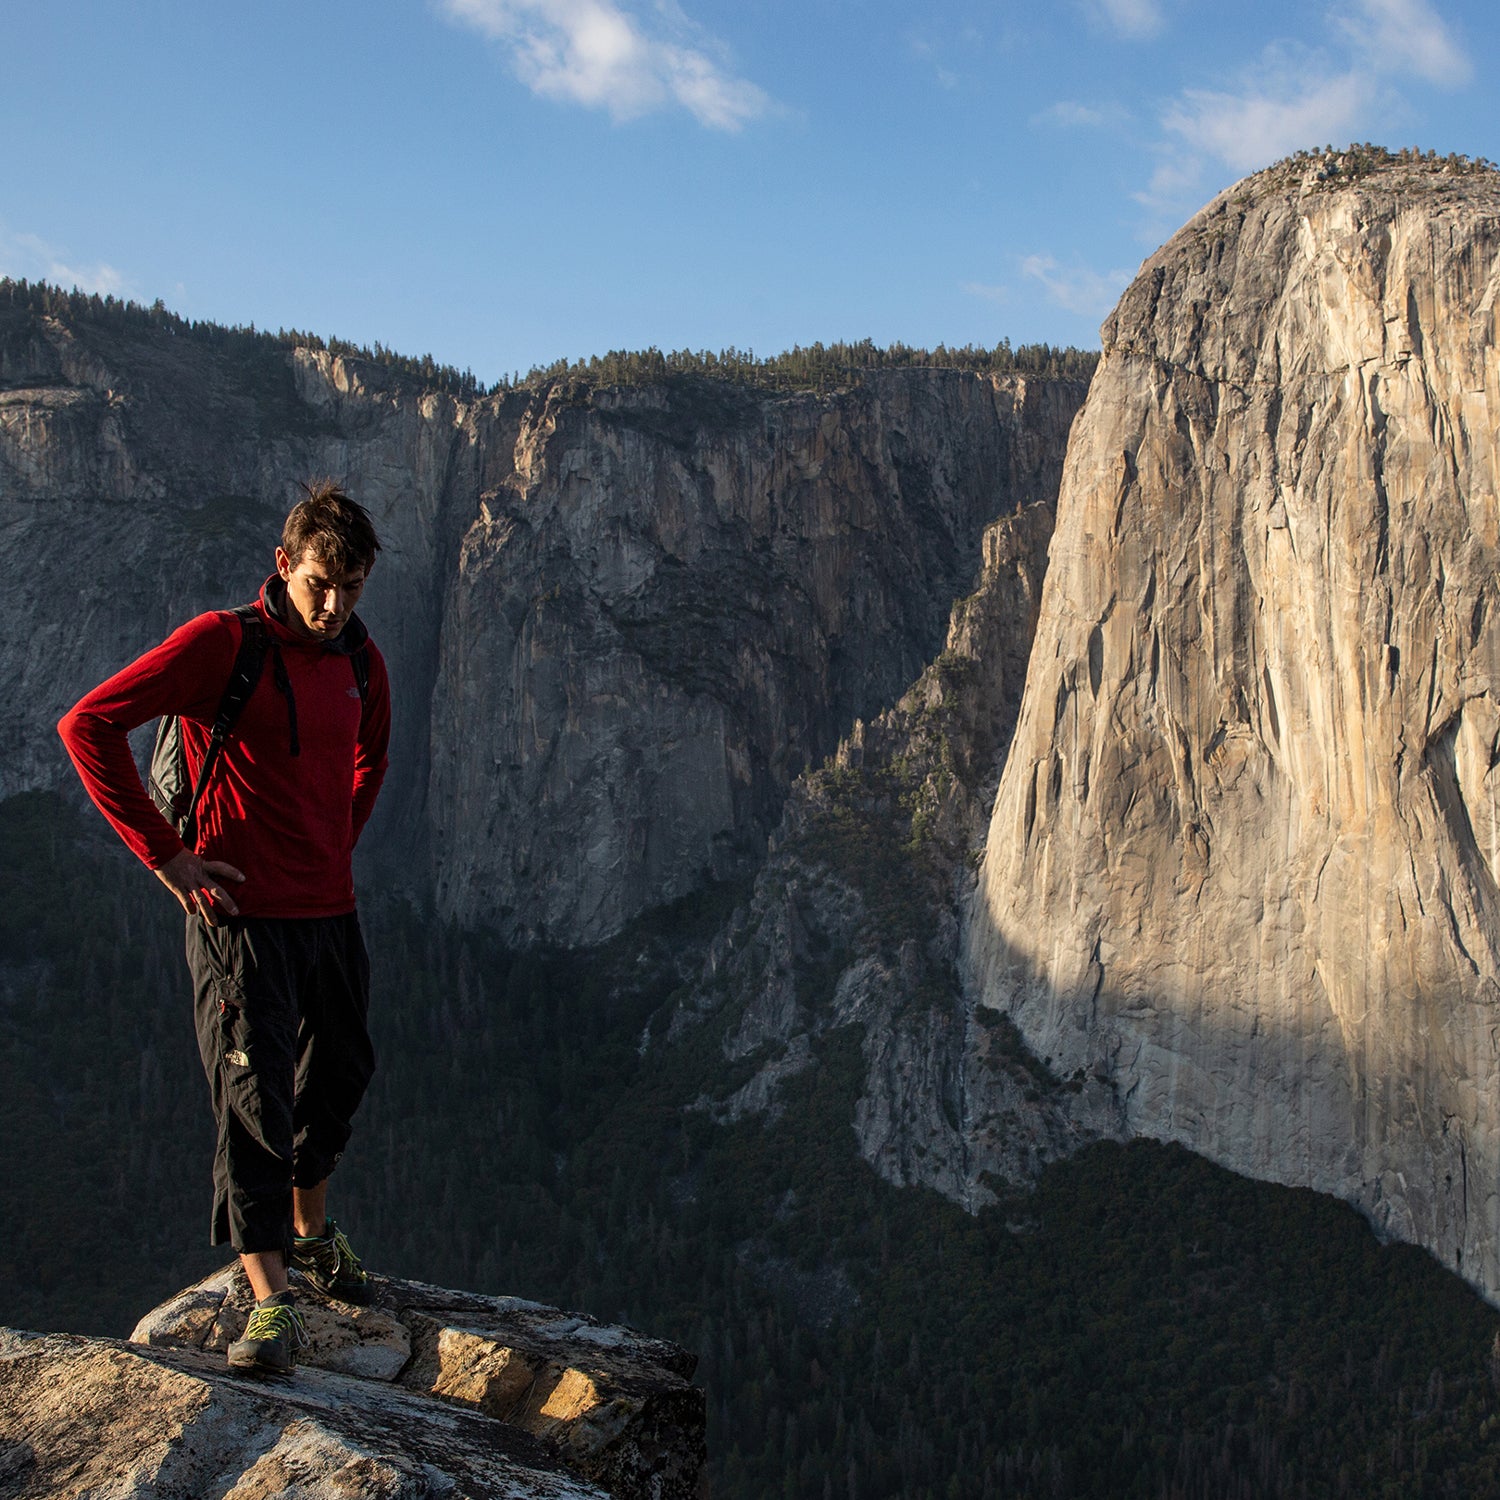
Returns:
(281,1006)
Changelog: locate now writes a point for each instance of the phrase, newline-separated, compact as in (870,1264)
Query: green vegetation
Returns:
(818,367)
(1364,158)
(122,315)
(1143,1325)
(886,820)
(860,825)
(105,1128)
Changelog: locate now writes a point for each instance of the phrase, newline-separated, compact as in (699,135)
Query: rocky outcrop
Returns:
(619,621)
(1243,859)
(425,1393)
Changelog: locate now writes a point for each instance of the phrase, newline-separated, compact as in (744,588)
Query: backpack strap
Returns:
(248,660)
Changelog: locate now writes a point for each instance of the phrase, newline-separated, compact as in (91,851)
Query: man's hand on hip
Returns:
(199,885)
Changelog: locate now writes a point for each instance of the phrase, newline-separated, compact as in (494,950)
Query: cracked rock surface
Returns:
(426,1392)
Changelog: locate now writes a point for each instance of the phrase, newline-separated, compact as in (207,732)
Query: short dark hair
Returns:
(336,530)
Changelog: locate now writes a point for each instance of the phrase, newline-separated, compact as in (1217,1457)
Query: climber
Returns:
(277,717)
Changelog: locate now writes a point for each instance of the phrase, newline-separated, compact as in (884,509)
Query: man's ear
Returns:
(283,564)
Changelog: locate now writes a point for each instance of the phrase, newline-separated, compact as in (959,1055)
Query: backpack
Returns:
(175,798)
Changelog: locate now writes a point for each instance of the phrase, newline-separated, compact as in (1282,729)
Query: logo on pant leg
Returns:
(238,1058)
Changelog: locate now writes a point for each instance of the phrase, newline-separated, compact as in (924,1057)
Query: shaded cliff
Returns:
(144,477)
(619,621)
(1243,859)
(880,1338)
(854,923)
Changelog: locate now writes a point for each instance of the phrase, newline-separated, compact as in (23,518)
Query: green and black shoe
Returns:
(329,1263)
(272,1338)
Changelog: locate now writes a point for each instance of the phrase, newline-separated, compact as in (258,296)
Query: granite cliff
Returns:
(671,606)
(1238,889)
(620,621)
(1242,864)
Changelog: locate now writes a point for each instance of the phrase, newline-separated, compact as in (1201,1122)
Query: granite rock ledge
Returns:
(427,1392)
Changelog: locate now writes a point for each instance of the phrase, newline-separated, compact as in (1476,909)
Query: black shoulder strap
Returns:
(248,660)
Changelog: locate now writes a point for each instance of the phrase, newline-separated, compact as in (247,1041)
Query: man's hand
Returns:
(198,885)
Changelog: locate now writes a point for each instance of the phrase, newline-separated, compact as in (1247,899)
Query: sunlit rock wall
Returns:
(1243,858)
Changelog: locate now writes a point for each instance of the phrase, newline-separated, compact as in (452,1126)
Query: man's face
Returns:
(319,600)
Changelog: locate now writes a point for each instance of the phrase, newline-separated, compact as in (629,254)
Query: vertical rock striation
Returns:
(1243,857)
(677,600)
(144,477)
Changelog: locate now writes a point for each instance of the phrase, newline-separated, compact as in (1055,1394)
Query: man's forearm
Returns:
(100,752)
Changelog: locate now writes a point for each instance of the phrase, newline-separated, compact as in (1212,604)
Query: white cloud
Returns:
(1292,98)
(1271,119)
(1297,98)
(1406,36)
(595,53)
(1133,18)
(926,51)
(28,257)
(1079,289)
(1176,177)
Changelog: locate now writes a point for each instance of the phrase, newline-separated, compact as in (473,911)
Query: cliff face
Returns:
(145,477)
(671,606)
(1243,858)
(618,622)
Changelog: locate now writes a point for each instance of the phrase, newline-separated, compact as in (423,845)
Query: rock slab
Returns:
(427,1392)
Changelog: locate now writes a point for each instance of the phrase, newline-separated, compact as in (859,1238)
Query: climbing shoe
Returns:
(327,1261)
(272,1338)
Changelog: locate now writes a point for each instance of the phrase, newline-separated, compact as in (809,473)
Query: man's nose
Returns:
(335,601)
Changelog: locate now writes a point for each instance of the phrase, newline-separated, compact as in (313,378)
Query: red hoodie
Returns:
(288,822)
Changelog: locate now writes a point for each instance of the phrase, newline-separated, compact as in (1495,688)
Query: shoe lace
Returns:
(344,1258)
(274,1322)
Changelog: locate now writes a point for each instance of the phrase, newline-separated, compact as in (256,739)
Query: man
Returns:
(280,974)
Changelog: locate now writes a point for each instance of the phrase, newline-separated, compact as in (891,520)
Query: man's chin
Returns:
(319,630)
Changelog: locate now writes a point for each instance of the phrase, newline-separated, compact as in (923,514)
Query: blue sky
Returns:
(504,182)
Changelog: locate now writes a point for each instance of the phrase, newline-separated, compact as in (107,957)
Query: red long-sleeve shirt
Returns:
(288,822)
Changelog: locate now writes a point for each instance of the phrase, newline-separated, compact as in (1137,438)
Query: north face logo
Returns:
(352,692)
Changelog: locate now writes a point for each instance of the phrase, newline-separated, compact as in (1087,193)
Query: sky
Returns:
(502,183)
